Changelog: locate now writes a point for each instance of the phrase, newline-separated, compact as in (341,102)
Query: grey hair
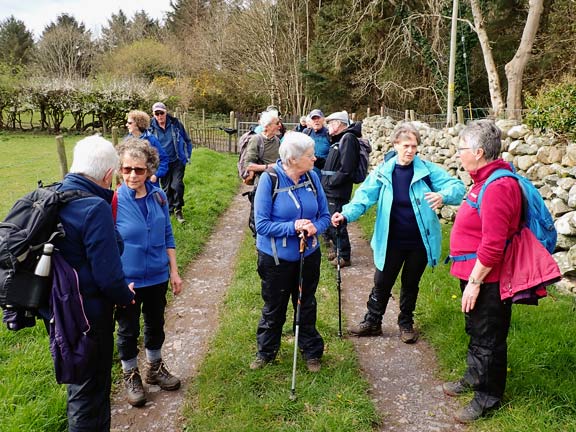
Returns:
(403,130)
(293,146)
(94,156)
(137,148)
(483,134)
(268,117)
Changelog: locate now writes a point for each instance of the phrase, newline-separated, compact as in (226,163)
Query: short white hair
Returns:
(268,117)
(293,146)
(94,156)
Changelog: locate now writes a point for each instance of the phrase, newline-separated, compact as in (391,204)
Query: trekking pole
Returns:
(302,236)
(338,281)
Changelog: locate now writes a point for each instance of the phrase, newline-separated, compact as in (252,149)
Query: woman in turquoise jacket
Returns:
(149,261)
(407,234)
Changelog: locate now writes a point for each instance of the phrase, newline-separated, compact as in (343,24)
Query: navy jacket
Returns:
(91,248)
(177,141)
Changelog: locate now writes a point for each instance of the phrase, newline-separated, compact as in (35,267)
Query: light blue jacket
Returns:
(377,189)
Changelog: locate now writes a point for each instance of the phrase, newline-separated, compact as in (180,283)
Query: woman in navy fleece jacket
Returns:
(149,260)
(298,205)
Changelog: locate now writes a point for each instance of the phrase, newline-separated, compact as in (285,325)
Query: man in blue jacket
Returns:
(177,144)
(90,247)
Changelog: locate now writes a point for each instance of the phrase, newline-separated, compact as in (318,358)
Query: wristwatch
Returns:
(473,281)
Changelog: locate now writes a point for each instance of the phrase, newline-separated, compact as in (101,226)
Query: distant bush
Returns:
(554,107)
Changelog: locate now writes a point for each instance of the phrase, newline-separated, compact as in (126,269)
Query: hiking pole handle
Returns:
(302,235)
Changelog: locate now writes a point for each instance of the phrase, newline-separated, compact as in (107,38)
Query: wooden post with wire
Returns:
(61,149)
(115,135)
(460,115)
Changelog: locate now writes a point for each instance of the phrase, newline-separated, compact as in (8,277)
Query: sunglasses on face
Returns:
(159,113)
(137,170)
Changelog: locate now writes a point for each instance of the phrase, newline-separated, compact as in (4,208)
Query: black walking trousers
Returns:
(487,325)
(413,263)
(279,282)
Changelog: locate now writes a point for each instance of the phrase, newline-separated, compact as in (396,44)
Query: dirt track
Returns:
(404,386)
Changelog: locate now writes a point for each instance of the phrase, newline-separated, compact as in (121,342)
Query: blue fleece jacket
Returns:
(90,247)
(173,139)
(145,260)
(275,217)
(377,189)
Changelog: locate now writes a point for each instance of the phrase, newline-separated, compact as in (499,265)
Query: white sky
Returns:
(37,14)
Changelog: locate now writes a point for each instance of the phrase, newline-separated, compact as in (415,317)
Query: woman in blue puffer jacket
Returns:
(289,201)
(407,234)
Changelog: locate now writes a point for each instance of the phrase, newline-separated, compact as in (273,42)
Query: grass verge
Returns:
(228,396)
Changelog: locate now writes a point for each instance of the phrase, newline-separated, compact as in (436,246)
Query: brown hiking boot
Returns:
(468,413)
(408,335)
(456,388)
(134,389)
(343,262)
(366,328)
(157,374)
(331,255)
(314,365)
(179,216)
(259,363)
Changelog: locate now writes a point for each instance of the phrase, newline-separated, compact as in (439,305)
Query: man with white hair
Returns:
(90,247)
(337,181)
(261,151)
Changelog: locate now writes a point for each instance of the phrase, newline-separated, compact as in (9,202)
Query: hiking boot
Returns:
(408,335)
(313,365)
(179,216)
(456,388)
(331,255)
(158,374)
(366,328)
(134,389)
(468,413)
(259,363)
(343,262)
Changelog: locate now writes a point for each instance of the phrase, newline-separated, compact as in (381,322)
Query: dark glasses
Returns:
(137,170)
(159,113)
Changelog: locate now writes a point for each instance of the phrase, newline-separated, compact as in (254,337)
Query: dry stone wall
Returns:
(550,163)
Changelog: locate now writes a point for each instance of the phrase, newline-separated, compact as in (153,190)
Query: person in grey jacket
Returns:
(407,234)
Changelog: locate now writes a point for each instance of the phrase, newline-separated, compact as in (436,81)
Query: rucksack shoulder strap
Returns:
(499,173)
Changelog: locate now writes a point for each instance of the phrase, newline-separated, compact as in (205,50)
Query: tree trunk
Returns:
(515,68)
(493,79)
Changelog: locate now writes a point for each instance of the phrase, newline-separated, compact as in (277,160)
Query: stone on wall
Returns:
(569,158)
(566,224)
(518,131)
(565,242)
(558,207)
(549,155)
(525,162)
(572,197)
(565,264)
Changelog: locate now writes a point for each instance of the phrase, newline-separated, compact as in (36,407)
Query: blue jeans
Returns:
(88,406)
(173,185)
(151,302)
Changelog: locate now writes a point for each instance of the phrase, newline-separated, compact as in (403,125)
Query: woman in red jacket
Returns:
(482,237)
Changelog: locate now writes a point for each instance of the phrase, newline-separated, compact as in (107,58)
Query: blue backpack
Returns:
(535,214)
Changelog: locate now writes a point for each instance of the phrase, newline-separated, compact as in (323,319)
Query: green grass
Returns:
(228,396)
(541,387)
(30,399)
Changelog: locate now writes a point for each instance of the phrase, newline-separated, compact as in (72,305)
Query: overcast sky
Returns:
(37,14)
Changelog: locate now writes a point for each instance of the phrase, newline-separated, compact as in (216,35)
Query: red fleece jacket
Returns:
(486,234)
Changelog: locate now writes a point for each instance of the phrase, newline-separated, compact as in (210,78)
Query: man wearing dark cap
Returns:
(319,133)
(337,180)
(178,146)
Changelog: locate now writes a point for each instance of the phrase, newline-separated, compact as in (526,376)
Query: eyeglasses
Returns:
(137,170)
(129,122)
(159,113)
(459,149)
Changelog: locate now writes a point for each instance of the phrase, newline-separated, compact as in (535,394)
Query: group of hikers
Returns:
(302,203)
(303,190)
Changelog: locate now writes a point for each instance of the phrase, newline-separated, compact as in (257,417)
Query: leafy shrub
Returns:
(554,107)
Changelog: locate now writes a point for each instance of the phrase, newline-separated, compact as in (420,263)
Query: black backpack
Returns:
(32,222)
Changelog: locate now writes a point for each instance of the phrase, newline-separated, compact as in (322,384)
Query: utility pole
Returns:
(452,67)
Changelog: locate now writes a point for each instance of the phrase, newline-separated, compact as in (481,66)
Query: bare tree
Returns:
(515,68)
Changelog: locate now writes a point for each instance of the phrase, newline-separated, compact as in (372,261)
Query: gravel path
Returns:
(404,387)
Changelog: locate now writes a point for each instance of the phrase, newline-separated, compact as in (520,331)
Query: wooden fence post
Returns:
(367,112)
(460,115)
(412,115)
(115,135)
(62,155)
(232,118)
(406,115)
(381,110)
